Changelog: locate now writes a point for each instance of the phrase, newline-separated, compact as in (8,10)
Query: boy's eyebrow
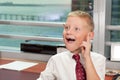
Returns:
(64,24)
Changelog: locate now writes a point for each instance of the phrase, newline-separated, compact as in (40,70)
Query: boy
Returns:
(77,33)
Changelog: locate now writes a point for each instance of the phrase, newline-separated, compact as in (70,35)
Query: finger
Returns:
(83,45)
(88,38)
(82,49)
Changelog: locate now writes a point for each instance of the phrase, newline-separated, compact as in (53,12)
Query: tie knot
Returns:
(76,57)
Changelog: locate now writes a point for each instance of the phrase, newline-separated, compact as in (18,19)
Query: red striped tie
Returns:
(80,71)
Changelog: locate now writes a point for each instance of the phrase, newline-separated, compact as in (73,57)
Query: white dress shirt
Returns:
(62,66)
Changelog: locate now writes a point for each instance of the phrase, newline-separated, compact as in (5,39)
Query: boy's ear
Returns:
(91,35)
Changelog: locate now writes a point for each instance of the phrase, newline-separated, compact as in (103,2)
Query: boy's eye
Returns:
(66,27)
(77,29)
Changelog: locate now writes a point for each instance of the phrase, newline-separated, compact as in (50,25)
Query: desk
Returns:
(17,75)
(31,73)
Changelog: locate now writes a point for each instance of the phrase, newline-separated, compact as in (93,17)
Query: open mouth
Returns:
(70,39)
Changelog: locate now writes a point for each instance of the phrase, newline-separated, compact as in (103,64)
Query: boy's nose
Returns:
(69,31)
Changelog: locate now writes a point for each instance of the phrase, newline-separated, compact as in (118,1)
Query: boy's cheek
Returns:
(63,33)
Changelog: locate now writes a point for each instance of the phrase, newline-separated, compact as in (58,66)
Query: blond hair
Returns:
(85,15)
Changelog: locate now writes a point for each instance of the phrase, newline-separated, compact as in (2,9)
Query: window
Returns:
(36,11)
(115,12)
(115,19)
(33,12)
(112,28)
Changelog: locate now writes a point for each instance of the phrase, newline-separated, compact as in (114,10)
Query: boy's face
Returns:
(74,33)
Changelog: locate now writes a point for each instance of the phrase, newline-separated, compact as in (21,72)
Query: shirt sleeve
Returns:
(100,66)
(48,73)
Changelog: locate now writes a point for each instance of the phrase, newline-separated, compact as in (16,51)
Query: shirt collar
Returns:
(81,59)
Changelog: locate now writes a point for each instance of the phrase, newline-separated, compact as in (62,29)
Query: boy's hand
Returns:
(86,47)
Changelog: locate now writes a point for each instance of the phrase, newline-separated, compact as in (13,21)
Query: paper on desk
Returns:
(18,65)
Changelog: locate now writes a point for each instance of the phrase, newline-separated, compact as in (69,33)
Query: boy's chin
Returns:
(78,50)
(71,50)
